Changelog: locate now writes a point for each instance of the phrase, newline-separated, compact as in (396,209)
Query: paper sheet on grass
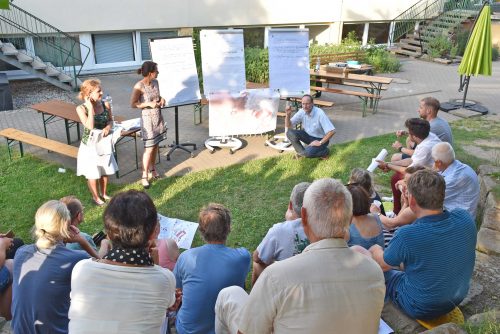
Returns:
(383,328)
(180,230)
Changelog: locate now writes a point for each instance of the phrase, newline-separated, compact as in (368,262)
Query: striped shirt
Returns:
(438,254)
(462,187)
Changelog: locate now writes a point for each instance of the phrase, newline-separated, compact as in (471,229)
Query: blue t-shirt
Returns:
(201,273)
(76,245)
(438,254)
(41,287)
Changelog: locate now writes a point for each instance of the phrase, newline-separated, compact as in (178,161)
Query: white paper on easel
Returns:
(381,156)
(180,230)
(289,61)
(178,78)
(222,61)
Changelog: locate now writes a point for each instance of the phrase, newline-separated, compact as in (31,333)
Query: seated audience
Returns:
(428,110)
(5,278)
(365,229)
(363,178)
(42,273)
(462,183)
(283,240)
(437,252)
(202,272)
(75,208)
(124,292)
(328,288)
(168,253)
(419,132)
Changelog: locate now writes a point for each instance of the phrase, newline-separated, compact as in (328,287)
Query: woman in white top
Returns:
(94,114)
(125,292)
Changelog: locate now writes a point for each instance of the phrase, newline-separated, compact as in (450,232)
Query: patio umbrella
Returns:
(477,55)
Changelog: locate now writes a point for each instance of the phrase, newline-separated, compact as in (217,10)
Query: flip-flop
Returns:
(99,202)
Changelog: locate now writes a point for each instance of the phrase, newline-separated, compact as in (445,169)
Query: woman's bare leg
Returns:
(93,190)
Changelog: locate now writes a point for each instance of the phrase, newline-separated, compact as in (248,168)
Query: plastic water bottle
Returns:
(318,64)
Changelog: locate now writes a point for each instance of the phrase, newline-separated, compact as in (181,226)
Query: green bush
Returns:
(381,59)
(494,53)
(257,65)
(349,44)
(439,47)
(461,40)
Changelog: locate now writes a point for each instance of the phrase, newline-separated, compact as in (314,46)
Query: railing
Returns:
(434,11)
(33,36)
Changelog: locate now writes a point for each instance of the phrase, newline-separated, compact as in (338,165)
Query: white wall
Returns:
(120,15)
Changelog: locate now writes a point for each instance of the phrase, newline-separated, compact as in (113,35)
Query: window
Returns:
(358,28)
(60,51)
(113,48)
(145,36)
(379,32)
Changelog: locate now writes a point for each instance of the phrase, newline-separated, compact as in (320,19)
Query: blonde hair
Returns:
(51,224)
(87,87)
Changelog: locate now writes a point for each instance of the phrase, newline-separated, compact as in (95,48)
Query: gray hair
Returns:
(329,208)
(363,178)
(297,196)
(443,152)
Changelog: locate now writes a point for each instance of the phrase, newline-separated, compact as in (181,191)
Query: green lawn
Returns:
(256,192)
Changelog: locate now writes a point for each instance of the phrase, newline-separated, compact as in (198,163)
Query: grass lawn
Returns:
(257,192)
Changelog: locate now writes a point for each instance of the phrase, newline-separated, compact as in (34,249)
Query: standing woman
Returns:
(94,114)
(146,96)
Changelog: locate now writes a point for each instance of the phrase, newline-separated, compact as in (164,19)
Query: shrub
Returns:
(438,47)
(257,65)
(462,37)
(381,59)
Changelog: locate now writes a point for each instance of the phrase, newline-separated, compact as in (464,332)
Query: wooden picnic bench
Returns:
(14,135)
(363,96)
(338,57)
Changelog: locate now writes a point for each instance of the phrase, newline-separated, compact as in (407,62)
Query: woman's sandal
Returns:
(106,198)
(145,182)
(154,174)
(98,202)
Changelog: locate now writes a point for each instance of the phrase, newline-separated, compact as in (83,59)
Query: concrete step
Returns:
(38,64)
(9,49)
(405,46)
(408,53)
(408,41)
(63,77)
(24,57)
(51,70)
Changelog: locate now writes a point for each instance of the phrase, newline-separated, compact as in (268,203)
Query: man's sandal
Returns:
(145,182)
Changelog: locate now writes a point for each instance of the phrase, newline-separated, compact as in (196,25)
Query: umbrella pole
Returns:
(466,84)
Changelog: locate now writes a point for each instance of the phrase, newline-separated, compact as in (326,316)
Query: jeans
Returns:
(298,136)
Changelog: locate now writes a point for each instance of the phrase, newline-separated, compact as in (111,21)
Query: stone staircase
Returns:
(36,66)
(409,46)
(40,49)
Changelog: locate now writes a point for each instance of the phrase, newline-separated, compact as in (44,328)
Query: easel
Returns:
(233,143)
(175,145)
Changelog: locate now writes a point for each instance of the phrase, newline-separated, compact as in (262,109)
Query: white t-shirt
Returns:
(118,299)
(423,152)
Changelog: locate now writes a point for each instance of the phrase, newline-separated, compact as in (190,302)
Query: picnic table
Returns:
(372,85)
(55,110)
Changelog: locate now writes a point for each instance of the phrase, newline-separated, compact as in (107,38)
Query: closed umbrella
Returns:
(477,55)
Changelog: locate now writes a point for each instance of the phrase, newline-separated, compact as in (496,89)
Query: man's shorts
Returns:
(5,279)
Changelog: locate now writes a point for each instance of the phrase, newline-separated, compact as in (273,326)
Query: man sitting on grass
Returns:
(317,129)
(283,240)
(202,272)
(437,253)
(328,288)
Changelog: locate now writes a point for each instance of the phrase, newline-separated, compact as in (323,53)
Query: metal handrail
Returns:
(52,44)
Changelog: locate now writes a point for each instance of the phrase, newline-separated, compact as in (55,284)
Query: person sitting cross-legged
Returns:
(283,240)
(317,130)
(202,272)
(437,253)
(328,288)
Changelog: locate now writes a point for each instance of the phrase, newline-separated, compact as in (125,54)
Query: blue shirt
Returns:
(438,254)
(316,124)
(442,129)
(201,273)
(462,188)
(76,245)
(41,287)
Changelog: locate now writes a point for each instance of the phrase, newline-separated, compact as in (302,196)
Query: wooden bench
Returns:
(363,96)
(12,135)
(346,82)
